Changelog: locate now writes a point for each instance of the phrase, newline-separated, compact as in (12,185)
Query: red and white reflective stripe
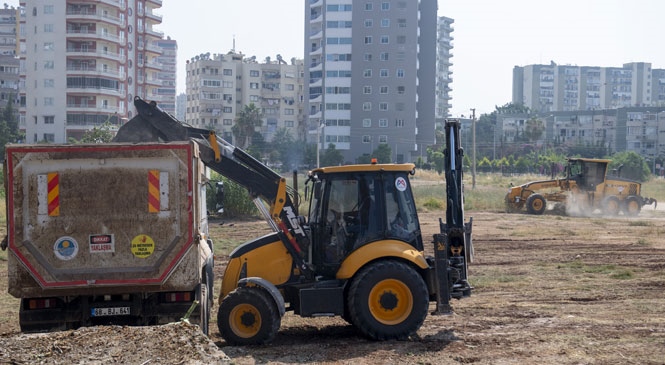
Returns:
(48,194)
(158,191)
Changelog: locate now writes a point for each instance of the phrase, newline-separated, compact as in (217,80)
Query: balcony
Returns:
(90,34)
(92,108)
(84,52)
(155,33)
(153,16)
(115,73)
(94,91)
(94,16)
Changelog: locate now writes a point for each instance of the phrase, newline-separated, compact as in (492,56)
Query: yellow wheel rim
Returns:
(390,302)
(245,320)
(537,204)
(633,207)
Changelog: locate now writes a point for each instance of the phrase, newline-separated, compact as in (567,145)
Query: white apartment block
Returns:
(444,73)
(219,86)
(84,61)
(547,88)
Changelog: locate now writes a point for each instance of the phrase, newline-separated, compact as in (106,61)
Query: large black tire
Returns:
(632,206)
(536,204)
(248,316)
(388,300)
(611,205)
(205,303)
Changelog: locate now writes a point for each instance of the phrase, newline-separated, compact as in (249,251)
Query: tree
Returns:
(101,134)
(9,132)
(331,156)
(632,166)
(383,153)
(534,129)
(245,125)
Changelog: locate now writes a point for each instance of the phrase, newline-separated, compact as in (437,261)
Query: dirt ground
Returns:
(548,289)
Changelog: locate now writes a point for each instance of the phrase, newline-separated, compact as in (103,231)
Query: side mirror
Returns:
(219,196)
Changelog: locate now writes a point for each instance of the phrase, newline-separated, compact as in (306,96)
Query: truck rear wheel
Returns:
(536,204)
(631,206)
(248,316)
(205,301)
(388,300)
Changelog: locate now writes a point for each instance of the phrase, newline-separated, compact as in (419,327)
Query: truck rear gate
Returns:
(97,231)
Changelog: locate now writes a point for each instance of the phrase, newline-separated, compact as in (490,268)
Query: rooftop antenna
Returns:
(234,44)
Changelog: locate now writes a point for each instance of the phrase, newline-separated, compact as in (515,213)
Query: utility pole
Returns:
(473,146)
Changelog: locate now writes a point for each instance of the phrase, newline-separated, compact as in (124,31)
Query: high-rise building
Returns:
(165,94)
(545,88)
(220,86)
(371,74)
(84,61)
(443,63)
(9,63)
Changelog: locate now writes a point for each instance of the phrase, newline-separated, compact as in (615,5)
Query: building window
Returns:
(48,28)
(48,65)
(49,137)
(367,89)
(401,23)
(383,72)
(400,89)
(253,85)
(385,39)
(368,6)
(48,9)
(288,112)
(367,123)
(254,73)
(367,106)
(49,83)
(368,57)
(385,6)
(253,98)
(288,123)
(383,139)
(383,90)
(399,123)
(227,109)
(383,123)
(227,72)
(367,73)
(383,106)
(48,101)
(290,87)
(227,121)
(368,23)
(368,39)
(49,119)
(385,23)
(49,46)
(367,139)
(399,72)
(384,56)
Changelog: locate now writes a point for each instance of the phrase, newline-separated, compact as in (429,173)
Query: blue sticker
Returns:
(66,248)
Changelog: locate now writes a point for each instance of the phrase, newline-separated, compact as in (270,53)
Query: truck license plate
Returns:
(113,311)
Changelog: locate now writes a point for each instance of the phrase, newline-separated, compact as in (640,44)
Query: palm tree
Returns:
(245,125)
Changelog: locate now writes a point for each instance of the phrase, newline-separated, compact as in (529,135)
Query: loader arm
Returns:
(153,124)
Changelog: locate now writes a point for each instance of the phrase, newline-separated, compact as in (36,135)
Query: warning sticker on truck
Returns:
(142,246)
(101,243)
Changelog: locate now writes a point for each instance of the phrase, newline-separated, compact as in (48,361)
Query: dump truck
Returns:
(108,234)
(584,189)
(358,252)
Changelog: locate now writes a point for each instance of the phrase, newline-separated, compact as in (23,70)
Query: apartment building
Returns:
(165,93)
(83,62)
(370,75)
(444,73)
(9,63)
(547,88)
(219,86)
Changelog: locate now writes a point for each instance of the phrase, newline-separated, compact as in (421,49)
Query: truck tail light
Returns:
(173,297)
(43,303)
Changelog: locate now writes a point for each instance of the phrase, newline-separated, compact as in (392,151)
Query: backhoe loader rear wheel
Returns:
(631,206)
(536,204)
(248,316)
(388,300)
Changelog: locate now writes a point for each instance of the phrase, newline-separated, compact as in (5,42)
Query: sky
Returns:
(490,37)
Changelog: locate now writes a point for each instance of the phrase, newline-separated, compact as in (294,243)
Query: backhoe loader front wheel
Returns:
(248,316)
(536,204)
(388,300)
